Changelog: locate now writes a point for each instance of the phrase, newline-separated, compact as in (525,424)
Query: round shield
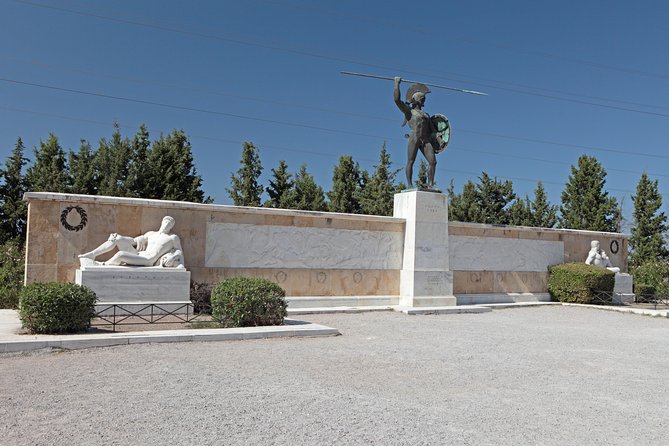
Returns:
(442,132)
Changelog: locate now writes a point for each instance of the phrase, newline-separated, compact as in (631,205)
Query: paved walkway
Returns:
(11,341)
(550,375)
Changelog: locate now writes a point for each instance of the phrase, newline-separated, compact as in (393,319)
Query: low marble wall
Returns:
(510,259)
(307,253)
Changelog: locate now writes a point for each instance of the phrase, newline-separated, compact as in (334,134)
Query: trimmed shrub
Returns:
(580,283)
(56,307)
(644,293)
(248,302)
(11,273)
(651,278)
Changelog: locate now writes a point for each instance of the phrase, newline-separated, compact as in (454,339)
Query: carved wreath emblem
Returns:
(82,215)
(614,246)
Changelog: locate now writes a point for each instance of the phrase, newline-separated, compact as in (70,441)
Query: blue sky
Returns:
(564,78)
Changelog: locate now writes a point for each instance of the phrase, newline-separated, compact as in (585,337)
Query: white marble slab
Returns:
(128,284)
(233,245)
(503,254)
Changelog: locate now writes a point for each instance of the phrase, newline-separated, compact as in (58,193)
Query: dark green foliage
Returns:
(112,162)
(83,178)
(644,293)
(13,210)
(485,202)
(280,187)
(11,273)
(346,186)
(463,207)
(585,203)
(306,195)
(247,302)
(493,198)
(377,194)
(49,172)
(421,182)
(246,190)
(580,283)
(56,307)
(139,170)
(543,214)
(652,274)
(172,174)
(537,213)
(647,241)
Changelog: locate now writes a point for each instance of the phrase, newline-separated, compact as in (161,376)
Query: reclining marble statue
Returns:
(155,248)
(598,257)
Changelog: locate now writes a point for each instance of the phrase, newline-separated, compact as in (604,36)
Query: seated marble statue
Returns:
(598,257)
(155,248)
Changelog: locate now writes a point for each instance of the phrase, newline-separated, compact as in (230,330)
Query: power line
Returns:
(332,58)
(184,108)
(330,130)
(469,40)
(311,152)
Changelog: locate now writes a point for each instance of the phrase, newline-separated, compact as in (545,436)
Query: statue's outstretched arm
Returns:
(404,108)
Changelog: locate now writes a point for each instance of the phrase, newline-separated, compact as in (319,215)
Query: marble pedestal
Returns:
(425,278)
(137,286)
(622,289)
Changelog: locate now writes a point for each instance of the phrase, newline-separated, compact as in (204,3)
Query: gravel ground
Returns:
(545,375)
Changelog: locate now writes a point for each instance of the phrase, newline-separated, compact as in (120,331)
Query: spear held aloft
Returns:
(374,76)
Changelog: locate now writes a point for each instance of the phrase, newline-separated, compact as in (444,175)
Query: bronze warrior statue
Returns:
(428,134)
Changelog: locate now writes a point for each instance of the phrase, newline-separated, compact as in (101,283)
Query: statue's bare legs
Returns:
(125,244)
(411,158)
(428,152)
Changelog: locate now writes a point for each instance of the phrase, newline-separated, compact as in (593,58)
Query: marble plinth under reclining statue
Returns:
(623,287)
(148,268)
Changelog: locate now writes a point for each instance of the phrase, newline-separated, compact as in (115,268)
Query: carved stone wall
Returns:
(307,253)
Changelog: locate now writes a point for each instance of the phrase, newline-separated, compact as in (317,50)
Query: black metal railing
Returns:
(115,314)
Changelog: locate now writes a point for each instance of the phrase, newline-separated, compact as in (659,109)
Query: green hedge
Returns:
(11,273)
(651,278)
(580,283)
(56,307)
(247,302)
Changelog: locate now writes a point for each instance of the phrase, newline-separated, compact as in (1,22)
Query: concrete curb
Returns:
(641,311)
(22,343)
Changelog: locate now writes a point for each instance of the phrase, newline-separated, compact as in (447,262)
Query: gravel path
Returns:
(546,375)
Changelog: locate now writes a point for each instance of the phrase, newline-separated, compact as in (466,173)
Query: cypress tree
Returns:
(520,212)
(112,161)
(585,203)
(464,206)
(140,169)
(13,210)
(246,190)
(647,241)
(279,188)
(82,170)
(346,186)
(538,213)
(306,195)
(493,196)
(376,196)
(543,214)
(49,172)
